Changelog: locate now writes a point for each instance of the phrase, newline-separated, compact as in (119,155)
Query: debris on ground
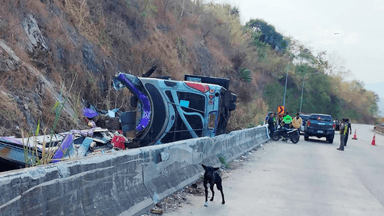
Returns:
(174,201)
(62,146)
(157,211)
(106,133)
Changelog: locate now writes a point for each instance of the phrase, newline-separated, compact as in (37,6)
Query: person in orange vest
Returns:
(343,131)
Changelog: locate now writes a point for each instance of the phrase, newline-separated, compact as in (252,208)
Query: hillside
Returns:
(68,51)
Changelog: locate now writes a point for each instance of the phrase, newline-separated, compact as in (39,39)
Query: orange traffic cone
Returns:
(354,136)
(374,140)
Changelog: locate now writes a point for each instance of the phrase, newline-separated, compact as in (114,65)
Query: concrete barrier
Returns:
(121,183)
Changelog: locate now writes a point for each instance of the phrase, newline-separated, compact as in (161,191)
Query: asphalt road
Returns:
(307,178)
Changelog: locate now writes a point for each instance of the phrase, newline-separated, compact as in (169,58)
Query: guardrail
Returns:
(127,182)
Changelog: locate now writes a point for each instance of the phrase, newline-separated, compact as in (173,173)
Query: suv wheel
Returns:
(306,137)
(330,139)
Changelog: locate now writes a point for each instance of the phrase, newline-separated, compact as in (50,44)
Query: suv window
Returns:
(304,117)
(326,118)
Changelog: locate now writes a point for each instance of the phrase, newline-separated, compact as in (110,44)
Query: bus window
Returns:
(212,121)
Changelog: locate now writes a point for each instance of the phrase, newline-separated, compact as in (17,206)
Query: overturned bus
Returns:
(167,110)
(163,111)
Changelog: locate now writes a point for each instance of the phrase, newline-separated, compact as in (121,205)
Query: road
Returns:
(309,178)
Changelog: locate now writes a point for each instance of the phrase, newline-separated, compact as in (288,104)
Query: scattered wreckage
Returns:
(23,152)
(164,111)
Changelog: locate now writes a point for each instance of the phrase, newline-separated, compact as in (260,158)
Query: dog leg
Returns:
(220,188)
(213,192)
(206,195)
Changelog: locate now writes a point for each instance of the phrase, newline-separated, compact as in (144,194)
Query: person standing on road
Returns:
(287,120)
(297,121)
(343,131)
(270,122)
(275,120)
(267,117)
(349,131)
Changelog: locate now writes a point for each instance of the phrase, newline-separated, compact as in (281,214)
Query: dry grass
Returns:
(10,114)
(159,46)
(248,115)
(8,107)
(79,14)
(218,53)
(56,29)
(37,6)
(20,80)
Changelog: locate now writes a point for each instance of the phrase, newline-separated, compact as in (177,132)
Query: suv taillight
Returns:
(308,123)
(334,125)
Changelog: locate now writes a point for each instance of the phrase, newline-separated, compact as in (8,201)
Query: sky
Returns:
(350,31)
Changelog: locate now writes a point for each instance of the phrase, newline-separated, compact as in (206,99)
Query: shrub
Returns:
(223,161)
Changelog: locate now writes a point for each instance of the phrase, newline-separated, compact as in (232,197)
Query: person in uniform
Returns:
(343,131)
(348,132)
(271,123)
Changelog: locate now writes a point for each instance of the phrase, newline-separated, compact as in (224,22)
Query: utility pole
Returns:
(302,88)
(302,91)
(286,81)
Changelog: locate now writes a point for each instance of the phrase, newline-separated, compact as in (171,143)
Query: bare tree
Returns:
(165,5)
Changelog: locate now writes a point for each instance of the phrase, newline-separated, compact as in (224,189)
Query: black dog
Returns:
(212,177)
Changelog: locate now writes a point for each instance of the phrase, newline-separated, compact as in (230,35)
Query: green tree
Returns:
(245,75)
(266,33)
